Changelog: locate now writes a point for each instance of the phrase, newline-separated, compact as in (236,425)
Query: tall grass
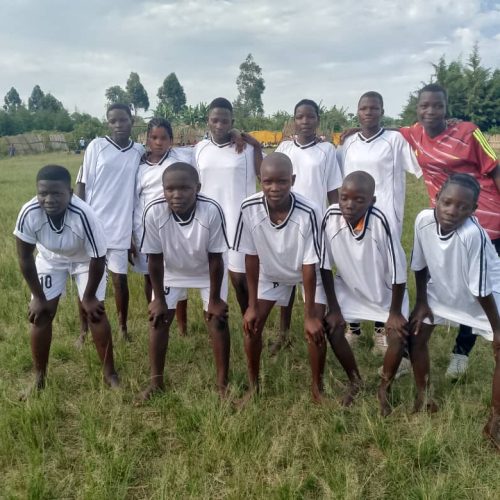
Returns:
(80,440)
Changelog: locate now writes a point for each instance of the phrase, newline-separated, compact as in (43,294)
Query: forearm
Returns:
(309,282)
(96,271)
(398,292)
(490,308)
(329,286)
(216,271)
(28,268)
(155,270)
(421,278)
(80,190)
(252,264)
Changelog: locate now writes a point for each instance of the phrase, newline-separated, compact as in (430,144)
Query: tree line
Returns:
(474,95)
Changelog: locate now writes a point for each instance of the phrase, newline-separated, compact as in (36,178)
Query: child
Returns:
(228,176)
(148,187)
(106,181)
(278,233)
(457,273)
(186,232)
(70,241)
(386,156)
(371,272)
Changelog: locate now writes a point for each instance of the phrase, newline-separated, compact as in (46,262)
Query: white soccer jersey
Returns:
(80,237)
(315,168)
(226,176)
(462,265)
(149,186)
(386,156)
(282,249)
(185,244)
(367,264)
(108,173)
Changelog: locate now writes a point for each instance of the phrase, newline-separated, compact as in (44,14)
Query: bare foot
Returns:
(183,332)
(80,341)
(352,392)
(147,394)
(424,402)
(317,396)
(383,399)
(492,430)
(280,342)
(112,380)
(124,335)
(33,389)
(247,397)
(223,392)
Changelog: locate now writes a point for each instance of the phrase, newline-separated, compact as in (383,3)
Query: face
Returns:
(306,121)
(159,141)
(53,196)
(180,191)
(431,109)
(370,112)
(354,201)
(276,182)
(120,124)
(220,122)
(453,206)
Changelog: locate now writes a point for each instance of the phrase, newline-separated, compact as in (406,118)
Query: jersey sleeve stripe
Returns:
(86,226)
(151,204)
(205,199)
(239,230)
(482,263)
(314,224)
(478,135)
(377,213)
(26,211)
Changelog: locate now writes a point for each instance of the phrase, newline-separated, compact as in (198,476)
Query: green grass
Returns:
(80,440)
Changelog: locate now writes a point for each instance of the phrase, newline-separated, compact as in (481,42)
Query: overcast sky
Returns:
(326,50)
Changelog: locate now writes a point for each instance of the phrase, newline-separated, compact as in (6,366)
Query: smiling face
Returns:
(220,122)
(306,122)
(180,190)
(370,112)
(159,141)
(120,125)
(354,200)
(454,204)
(53,197)
(431,111)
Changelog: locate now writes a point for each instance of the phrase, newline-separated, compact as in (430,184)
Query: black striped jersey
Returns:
(185,244)
(282,248)
(80,237)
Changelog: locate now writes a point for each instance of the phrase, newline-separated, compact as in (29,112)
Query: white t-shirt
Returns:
(149,186)
(226,176)
(463,265)
(367,263)
(282,249)
(80,237)
(185,244)
(109,173)
(386,157)
(315,168)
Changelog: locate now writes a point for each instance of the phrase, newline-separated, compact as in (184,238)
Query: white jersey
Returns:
(185,244)
(463,265)
(315,168)
(367,263)
(226,176)
(386,156)
(108,173)
(282,249)
(149,186)
(80,237)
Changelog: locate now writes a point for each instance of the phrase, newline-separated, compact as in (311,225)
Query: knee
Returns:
(394,340)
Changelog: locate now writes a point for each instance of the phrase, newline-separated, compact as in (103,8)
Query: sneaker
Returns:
(404,368)
(380,341)
(457,367)
(352,335)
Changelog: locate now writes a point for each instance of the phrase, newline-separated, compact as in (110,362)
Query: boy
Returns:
(70,241)
(186,232)
(278,233)
(106,181)
(370,281)
(228,176)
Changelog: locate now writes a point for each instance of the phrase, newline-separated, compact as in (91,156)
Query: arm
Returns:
(396,321)
(490,308)
(252,264)
(216,306)
(313,325)
(257,151)
(334,319)
(496,177)
(421,309)
(91,305)
(157,308)
(237,140)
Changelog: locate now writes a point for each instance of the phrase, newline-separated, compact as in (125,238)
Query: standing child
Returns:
(185,234)
(457,273)
(70,242)
(370,282)
(106,181)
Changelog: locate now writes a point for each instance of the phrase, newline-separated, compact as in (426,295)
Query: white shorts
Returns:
(281,293)
(117,261)
(53,278)
(236,262)
(140,263)
(177,294)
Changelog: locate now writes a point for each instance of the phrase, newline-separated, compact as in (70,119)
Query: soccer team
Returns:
(190,218)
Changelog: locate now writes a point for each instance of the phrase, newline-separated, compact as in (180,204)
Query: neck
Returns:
(435,131)
(156,157)
(57,220)
(282,206)
(370,131)
(122,143)
(187,213)
(222,140)
(303,139)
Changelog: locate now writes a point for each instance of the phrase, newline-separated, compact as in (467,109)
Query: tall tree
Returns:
(137,93)
(172,94)
(35,101)
(12,100)
(50,103)
(250,89)
(116,94)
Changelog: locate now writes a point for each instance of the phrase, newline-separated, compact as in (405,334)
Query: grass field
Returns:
(80,440)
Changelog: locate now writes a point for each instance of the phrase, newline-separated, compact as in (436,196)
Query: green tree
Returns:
(12,100)
(250,86)
(116,94)
(137,94)
(36,99)
(171,93)
(50,103)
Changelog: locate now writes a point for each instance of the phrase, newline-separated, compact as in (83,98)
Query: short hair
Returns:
(433,87)
(278,159)
(119,105)
(220,102)
(374,95)
(181,166)
(160,123)
(307,102)
(361,178)
(464,180)
(54,173)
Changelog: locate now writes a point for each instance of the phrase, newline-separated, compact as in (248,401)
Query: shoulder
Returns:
(182,153)
(138,148)
(207,203)
(30,209)
(155,207)
(332,213)
(284,146)
(425,218)
(97,144)
(202,145)
(326,147)
(252,201)
(305,203)
(471,230)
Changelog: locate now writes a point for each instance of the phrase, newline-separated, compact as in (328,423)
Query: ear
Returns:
(374,199)
(383,112)
(293,179)
(71,191)
(475,208)
(198,187)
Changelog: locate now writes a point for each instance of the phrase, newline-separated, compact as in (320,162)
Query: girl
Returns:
(464,285)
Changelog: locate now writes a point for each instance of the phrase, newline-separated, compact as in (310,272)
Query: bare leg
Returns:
(317,358)
(221,344)
(181,317)
(84,326)
(285,323)
(239,281)
(148,288)
(492,428)
(120,286)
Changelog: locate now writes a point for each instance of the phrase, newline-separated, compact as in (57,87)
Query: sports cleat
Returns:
(457,367)
(380,341)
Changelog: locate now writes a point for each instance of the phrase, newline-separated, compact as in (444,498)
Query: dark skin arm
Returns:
(216,306)
(313,325)
(334,321)
(80,190)
(90,304)
(490,309)
(396,321)
(157,308)
(38,306)
(257,151)
(421,309)
(252,271)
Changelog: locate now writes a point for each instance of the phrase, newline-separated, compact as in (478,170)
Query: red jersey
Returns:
(460,148)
